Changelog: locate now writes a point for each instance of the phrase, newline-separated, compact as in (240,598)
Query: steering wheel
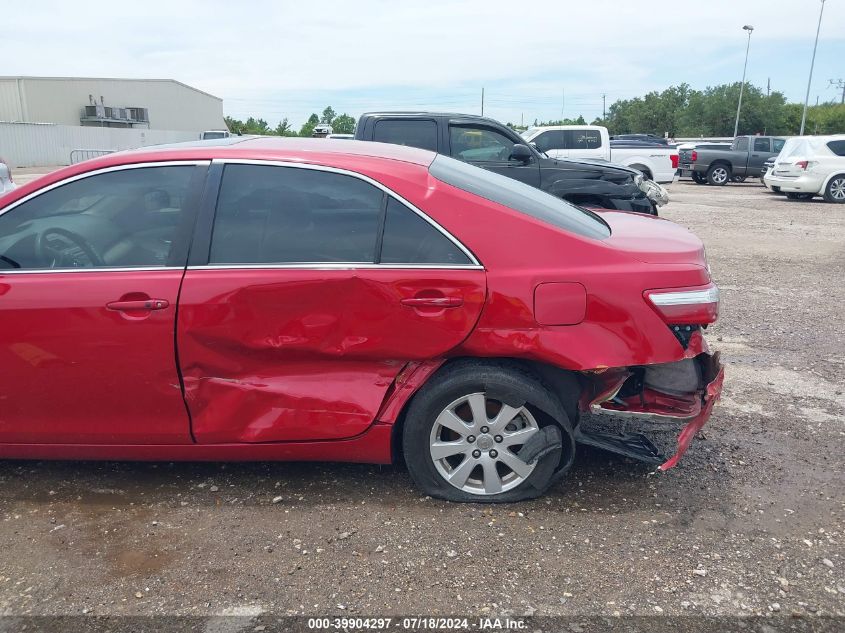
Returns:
(47,252)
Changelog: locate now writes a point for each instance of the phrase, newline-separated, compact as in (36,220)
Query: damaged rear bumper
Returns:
(625,405)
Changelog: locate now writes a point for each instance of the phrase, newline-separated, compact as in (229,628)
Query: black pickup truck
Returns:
(743,159)
(489,144)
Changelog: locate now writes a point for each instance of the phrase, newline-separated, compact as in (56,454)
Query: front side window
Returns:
(126,218)
(474,144)
(285,215)
(553,139)
(409,239)
(420,133)
(777,144)
(761,145)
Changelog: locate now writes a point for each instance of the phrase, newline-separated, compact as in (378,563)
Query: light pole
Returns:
(748,28)
(810,80)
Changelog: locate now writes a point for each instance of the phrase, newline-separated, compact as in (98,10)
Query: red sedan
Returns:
(266,299)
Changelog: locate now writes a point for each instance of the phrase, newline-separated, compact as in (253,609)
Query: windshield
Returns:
(519,197)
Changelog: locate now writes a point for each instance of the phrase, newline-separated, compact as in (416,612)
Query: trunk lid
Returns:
(652,240)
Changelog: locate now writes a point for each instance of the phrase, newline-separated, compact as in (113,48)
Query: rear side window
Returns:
(283,215)
(416,133)
(837,147)
(519,197)
(742,144)
(409,239)
(761,145)
(583,139)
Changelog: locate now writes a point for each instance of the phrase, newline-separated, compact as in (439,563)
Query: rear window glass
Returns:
(416,133)
(837,147)
(519,197)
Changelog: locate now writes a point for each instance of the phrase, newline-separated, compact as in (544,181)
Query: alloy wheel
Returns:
(474,444)
(720,175)
(837,189)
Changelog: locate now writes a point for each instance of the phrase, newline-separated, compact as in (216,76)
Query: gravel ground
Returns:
(751,522)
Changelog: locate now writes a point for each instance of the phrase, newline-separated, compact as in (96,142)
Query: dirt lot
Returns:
(752,522)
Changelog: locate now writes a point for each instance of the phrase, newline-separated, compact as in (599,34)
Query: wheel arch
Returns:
(827,180)
(565,384)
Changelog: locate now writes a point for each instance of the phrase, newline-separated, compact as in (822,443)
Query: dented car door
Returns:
(319,287)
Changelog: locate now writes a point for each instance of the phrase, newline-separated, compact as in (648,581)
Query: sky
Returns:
(538,60)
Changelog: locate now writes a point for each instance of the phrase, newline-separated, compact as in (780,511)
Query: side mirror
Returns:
(521,153)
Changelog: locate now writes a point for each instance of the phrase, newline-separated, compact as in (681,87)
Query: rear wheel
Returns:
(738,179)
(718,175)
(794,195)
(698,178)
(486,432)
(835,190)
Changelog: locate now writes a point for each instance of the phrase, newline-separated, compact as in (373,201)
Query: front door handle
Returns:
(140,304)
(433,302)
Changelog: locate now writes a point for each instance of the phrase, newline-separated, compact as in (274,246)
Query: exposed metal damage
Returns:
(628,410)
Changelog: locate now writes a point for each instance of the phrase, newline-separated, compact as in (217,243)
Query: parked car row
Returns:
(719,166)
(303,299)
(488,144)
(655,161)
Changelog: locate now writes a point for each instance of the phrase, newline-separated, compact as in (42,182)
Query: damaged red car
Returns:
(269,299)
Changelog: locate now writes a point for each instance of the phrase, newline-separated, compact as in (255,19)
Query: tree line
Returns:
(341,124)
(680,111)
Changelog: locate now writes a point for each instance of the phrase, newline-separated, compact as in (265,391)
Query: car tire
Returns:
(719,175)
(794,195)
(835,190)
(776,189)
(444,435)
(698,178)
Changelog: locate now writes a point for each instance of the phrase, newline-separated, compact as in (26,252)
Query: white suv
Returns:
(6,182)
(813,166)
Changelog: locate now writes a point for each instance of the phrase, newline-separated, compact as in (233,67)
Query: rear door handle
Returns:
(141,304)
(433,302)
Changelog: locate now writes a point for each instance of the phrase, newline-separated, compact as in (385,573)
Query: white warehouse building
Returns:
(43,120)
(168,104)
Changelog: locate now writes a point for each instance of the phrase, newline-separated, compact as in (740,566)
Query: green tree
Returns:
(343,124)
(328,115)
(308,127)
(284,129)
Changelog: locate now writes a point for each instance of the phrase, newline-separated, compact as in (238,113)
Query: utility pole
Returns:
(750,29)
(768,86)
(603,108)
(839,84)
(810,79)
(482,100)
(562,103)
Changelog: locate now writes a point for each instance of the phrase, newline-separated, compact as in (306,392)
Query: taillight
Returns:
(674,158)
(694,156)
(802,164)
(686,306)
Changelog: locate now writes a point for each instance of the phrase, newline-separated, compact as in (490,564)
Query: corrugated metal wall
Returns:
(43,145)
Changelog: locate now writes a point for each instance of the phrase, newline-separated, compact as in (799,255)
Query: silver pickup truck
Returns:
(743,159)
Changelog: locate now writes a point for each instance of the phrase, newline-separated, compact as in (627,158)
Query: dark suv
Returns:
(489,144)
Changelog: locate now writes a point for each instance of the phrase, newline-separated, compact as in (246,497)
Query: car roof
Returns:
(282,148)
(317,151)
